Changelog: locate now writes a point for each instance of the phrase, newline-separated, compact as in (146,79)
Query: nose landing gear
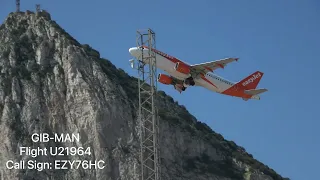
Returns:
(179,87)
(182,85)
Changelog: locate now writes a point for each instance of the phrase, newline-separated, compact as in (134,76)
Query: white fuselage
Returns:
(210,81)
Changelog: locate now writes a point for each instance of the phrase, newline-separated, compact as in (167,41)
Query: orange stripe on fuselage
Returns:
(207,80)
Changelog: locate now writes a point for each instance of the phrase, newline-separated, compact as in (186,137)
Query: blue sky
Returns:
(279,38)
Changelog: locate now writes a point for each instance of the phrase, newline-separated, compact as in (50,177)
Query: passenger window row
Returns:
(220,79)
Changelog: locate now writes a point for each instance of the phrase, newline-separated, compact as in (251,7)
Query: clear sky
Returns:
(279,38)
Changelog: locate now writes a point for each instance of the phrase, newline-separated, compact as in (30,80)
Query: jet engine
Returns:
(182,68)
(164,79)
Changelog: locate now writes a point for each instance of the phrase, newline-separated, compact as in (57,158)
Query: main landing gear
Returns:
(189,81)
(183,86)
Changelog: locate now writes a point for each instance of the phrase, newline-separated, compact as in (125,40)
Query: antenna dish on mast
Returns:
(132,63)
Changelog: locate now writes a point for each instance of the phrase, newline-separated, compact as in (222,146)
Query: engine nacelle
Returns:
(182,68)
(164,79)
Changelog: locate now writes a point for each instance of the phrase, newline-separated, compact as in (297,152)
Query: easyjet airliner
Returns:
(183,75)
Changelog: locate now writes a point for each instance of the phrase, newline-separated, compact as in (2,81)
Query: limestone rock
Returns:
(50,83)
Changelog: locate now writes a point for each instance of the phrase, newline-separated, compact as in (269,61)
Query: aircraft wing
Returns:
(213,65)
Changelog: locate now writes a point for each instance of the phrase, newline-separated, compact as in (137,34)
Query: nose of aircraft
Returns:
(132,50)
(136,51)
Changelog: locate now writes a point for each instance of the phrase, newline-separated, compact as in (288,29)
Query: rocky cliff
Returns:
(50,83)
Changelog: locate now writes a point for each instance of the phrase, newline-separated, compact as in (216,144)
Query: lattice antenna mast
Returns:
(18,5)
(37,8)
(149,124)
(1,174)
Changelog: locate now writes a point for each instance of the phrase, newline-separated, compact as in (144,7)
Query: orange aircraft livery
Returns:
(182,75)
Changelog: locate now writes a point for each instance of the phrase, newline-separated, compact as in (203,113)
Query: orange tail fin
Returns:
(252,81)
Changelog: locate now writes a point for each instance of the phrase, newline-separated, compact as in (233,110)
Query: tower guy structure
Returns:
(17,5)
(148,117)
(37,8)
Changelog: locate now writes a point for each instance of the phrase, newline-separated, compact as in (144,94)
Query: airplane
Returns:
(183,75)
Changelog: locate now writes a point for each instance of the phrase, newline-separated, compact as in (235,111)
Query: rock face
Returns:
(50,83)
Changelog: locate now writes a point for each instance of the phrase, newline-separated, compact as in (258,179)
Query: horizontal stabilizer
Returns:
(255,91)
